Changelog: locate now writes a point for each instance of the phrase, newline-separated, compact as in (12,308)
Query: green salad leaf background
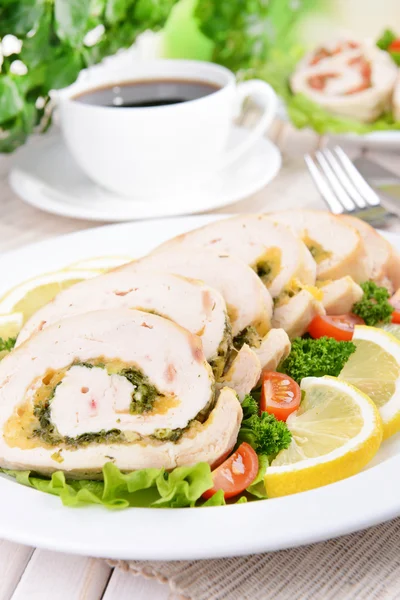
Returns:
(239,34)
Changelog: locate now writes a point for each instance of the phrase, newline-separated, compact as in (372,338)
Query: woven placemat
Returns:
(360,566)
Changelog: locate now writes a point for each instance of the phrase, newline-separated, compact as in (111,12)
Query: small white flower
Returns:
(93,36)
(17,67)
(40,102)
(10,45)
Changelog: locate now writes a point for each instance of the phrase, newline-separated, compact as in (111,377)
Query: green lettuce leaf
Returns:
(306,113)
(216,500)
(257,488)
(181,487)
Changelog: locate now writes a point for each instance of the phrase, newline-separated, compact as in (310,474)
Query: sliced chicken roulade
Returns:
(271,249)
(382,259)
(339,296)
(191,304)
(336,246)
(347,78)
(248,302)
(295,315)
(121,385)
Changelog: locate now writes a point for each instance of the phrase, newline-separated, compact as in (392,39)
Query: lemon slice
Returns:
(374,369)
(101,263)
(27,297)
(335,433)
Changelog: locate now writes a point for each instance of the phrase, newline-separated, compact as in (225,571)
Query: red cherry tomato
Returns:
(395,302)
(280,395)
(236,473)
(340,327)
(395,46)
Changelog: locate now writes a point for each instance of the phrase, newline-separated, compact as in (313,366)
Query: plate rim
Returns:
(388,137)
(366,499)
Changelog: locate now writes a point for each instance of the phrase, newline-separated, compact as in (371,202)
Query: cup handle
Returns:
(266,96)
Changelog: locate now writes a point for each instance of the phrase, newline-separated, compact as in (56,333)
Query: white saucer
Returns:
(46,176)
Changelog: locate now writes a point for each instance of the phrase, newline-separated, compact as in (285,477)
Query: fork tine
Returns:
(357,179)
(344,179)
(340,192)
(327,195)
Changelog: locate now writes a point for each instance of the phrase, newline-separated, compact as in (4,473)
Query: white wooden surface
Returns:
(32,574)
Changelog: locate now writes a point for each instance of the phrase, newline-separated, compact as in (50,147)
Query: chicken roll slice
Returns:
(295,315)
(248,302)
(275,347)
(336,246)
(271,249)
(382,259)
(192,304)
(339,296)
(119,385)
(347,78)
(244,372)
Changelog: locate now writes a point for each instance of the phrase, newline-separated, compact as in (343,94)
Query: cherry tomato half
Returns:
(340,327)
(395,46)
(280,395)
(395,302)
(236,473)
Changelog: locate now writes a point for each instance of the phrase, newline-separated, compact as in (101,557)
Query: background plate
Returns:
(37,519)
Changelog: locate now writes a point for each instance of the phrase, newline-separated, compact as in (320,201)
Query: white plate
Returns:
(37,519)
(46,176)
(389,140)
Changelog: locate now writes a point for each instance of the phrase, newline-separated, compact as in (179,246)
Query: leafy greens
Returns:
(55,49)
(316,358)
(55,43)
(264,432)
(8,344)
(384,43)
(156,488)
(374,307)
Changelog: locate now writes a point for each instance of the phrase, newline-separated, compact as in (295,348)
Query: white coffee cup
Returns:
(151,151)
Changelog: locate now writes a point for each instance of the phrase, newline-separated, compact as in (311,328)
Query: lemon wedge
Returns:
(27,297)
(374,369)
(101,263)
(335,433)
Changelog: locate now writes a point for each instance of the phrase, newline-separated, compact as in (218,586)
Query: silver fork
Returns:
(343,188)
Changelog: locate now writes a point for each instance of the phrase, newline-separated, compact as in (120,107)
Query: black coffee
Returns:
(145,93)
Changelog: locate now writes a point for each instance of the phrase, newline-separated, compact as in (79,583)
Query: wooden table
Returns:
(29,573)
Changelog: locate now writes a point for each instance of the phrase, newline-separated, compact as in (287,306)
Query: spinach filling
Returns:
(47,432)
(170,435)
(218,364)
(143,398)
(250,336)
(264,270)
(144,394)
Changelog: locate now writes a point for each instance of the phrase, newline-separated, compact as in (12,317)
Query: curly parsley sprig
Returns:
(264,432)
(374,307)
(316,358)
